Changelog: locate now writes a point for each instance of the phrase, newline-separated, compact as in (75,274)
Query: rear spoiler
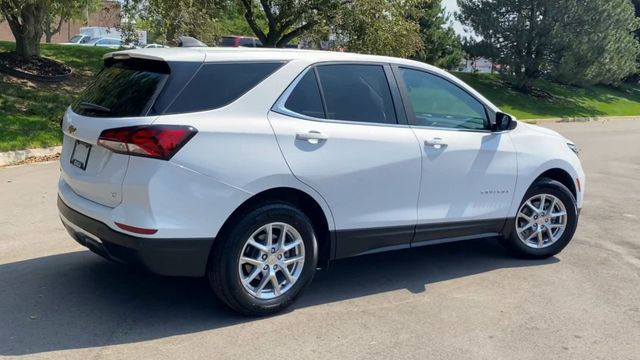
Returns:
(167,55)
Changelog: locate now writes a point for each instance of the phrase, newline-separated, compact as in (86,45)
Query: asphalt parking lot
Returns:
(452,301)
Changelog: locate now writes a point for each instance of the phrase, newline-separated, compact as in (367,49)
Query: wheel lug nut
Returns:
(273,250)
(275,267)
(266,267)
(279,257)
(264,257)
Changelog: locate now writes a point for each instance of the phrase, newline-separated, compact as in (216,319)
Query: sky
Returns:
(452,6)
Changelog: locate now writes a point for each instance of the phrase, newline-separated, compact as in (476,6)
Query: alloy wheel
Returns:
(541,221)
(271,260)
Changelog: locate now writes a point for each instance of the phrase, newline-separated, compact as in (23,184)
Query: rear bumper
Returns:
(173,257)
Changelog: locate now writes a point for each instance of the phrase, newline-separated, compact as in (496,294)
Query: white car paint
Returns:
(365,176)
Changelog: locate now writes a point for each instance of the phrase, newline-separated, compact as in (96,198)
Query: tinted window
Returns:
(123,89)
(247,42)
(305,98)
(357,93)
(228,41)
(216,85)
(440,103)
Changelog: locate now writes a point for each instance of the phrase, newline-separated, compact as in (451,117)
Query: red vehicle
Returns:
(237,41)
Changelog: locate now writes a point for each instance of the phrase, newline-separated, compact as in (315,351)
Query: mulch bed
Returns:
(33,68)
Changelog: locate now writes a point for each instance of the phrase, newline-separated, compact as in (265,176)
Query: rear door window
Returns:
(123,89)
(356,92)
(216,85)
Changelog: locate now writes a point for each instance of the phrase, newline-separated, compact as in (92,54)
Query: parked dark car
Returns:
(239,41)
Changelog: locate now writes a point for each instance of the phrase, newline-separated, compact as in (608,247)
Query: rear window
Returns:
(216,85)
(123,89)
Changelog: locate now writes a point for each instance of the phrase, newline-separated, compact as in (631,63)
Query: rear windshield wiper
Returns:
(95,107)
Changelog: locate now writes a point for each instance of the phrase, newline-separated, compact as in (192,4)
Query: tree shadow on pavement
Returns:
(78,300)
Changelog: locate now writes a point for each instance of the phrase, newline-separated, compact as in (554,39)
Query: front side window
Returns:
(354,92)
(437,102)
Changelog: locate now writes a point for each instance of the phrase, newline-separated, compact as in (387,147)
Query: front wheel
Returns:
(265,261)
(546,221)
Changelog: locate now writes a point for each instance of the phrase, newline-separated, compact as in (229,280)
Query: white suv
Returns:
(255,166)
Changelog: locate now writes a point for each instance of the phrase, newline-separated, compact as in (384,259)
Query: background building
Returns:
(107,16)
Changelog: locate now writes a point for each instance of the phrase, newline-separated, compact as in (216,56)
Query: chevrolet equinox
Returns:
(254,167)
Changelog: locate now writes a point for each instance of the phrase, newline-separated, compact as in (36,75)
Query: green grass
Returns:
(567,101)
(30,112)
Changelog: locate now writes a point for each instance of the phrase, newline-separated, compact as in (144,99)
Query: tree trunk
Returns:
(27,46)
(26,26)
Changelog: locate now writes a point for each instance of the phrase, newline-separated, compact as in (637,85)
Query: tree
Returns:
(231,20)
(636,5)
(515,33)
(60,11)
(380,27)
(169,19)
(442,47)
(572,41)
(286,19)
(25,19)
(594,42)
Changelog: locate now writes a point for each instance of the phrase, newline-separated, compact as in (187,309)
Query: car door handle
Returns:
(435,143)
(311,136)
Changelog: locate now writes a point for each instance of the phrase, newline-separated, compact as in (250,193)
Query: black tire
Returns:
(544,186)
(224,261)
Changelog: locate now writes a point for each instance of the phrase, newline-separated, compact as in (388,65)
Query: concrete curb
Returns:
(11,157)
(570,119)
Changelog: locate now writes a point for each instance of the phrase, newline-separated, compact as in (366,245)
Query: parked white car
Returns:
(255,166)
(79,39)
(154,46)
(112,43)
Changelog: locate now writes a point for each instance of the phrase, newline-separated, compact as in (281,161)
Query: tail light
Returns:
(154,141)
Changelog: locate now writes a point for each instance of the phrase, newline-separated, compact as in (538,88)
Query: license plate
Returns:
(80,154)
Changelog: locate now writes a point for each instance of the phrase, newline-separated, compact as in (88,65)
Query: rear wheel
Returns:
(545,222)
(265,261)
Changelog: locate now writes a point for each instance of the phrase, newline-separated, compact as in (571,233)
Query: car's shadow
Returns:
(78,300)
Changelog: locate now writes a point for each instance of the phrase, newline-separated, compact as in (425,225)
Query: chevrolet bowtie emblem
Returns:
(72,129)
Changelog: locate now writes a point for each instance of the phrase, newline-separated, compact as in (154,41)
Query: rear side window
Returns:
(123,89)
(216,85)
(305,98)
(356,92)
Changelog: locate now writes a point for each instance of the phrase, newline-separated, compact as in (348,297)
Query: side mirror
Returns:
(503,122)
